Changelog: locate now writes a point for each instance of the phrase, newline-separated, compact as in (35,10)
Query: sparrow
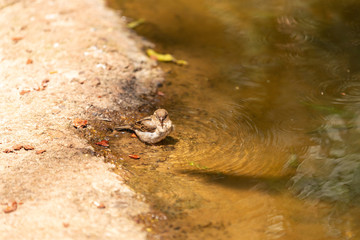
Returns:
(151,129)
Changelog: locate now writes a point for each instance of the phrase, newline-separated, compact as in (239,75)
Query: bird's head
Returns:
(161,115)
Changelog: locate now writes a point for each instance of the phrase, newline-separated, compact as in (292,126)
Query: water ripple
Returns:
(227,141)
(341,91)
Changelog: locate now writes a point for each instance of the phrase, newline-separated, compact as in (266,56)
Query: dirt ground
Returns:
(58,60)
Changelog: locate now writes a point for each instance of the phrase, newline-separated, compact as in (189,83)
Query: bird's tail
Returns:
(123,127)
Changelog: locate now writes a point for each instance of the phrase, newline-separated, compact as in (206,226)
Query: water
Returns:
(267,126)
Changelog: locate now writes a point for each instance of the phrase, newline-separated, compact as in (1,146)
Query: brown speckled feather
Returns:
(145,125)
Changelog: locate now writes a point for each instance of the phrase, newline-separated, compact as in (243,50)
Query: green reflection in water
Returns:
(266,143)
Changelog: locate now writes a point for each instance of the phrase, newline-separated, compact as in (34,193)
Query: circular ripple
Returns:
(341,91)
(227,141)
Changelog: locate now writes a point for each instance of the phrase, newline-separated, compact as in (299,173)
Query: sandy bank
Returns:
(57,60)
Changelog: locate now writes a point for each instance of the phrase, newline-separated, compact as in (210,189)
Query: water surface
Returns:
(267,126)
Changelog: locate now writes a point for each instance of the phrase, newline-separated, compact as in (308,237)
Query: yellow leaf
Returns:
(181,62)
(160,57)
(135,23)
(164,57)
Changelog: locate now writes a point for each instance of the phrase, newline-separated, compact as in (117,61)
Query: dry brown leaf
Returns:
(8,150)
(159,93)
(40,151)
(22,92)
(10,208)
(80,123)
(17,147)
(17,39)
(103,143)
(134,156)
(44,83)
(28,147)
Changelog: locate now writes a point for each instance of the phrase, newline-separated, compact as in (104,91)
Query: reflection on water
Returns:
(267,126)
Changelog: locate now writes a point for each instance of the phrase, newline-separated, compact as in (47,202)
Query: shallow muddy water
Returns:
(267,140)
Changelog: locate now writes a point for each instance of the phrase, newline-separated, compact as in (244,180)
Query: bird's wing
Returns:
(123,127)
(145,125)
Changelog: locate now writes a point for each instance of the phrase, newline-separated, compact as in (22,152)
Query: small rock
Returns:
(99,204)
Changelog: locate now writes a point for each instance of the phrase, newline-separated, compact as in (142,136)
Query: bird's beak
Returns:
(162,122)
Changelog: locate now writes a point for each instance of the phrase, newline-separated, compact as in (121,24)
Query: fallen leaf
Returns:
(181,62)
(22,92)
(80,123)
(40,151)
(16,39)
(160,57)
(44,83)
(160,93)
(66,225)
(103,143)
(53,72)
(28,147)
(99,204)
(134,156)
(10,208)
(8,150)
(17,147)
(164,57)
(133,135)
(135,23)
(29,61)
